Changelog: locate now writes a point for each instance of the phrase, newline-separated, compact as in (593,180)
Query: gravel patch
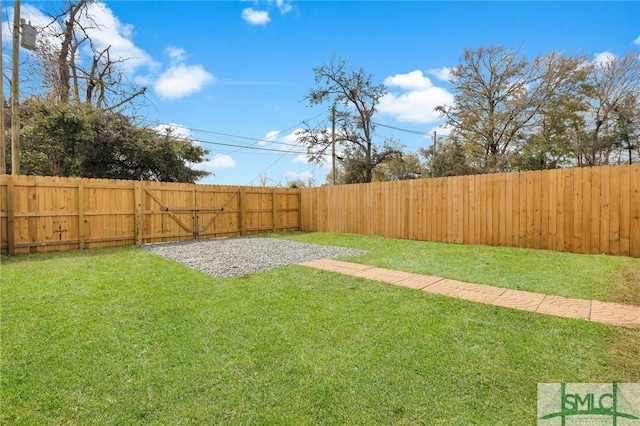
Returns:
(235,256)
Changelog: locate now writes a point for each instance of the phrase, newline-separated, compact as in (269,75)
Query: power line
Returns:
(257,148)
(193,129)
(247,137)
(415,132)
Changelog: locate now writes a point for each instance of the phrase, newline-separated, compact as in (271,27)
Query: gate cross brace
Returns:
(165,209)
(194,210)
(213,218)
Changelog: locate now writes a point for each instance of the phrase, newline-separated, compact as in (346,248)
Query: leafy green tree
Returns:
(399,167)
(560,121)
(351,165)
(559,125)
(301,183)
(449,158)
(60,139)
(355,97)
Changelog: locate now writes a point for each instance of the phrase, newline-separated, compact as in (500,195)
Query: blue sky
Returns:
(236,72)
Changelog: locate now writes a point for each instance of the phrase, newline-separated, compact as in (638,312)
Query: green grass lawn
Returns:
(122,336)
(599,277)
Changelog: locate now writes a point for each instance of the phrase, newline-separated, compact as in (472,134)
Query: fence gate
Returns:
(174,214)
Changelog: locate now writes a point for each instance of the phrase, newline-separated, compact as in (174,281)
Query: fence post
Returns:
(273,208)
(299,190)
(634,214)
(407,207)
(139,212)
(196,212)
(81,236)
(33,207)
(241,216)
(10,219)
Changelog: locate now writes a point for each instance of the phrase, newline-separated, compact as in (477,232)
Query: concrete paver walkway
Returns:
(593,310)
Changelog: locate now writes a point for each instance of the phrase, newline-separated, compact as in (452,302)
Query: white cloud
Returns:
(414,80)
(110,32)
(443,73)
(261,17)
(284,6)
(176,54)
(180,80)
(417,103)
(270,137)
(274,139)
(105,31)
(217,162)
(637,41)
(255,17)
(176,130)
(417,106)
(293,136)
(603,58)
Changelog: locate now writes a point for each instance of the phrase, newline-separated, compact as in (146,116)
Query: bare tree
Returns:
(611,89)
(497,96)
(76,69)
(627,128)
(355,98)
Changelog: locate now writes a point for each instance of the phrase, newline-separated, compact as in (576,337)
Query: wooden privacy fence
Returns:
(47,213)
(580,210)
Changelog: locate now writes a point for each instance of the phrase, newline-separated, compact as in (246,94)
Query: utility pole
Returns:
(433,157)
(333,144)
(3,142)
(28,42)
(15,92)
